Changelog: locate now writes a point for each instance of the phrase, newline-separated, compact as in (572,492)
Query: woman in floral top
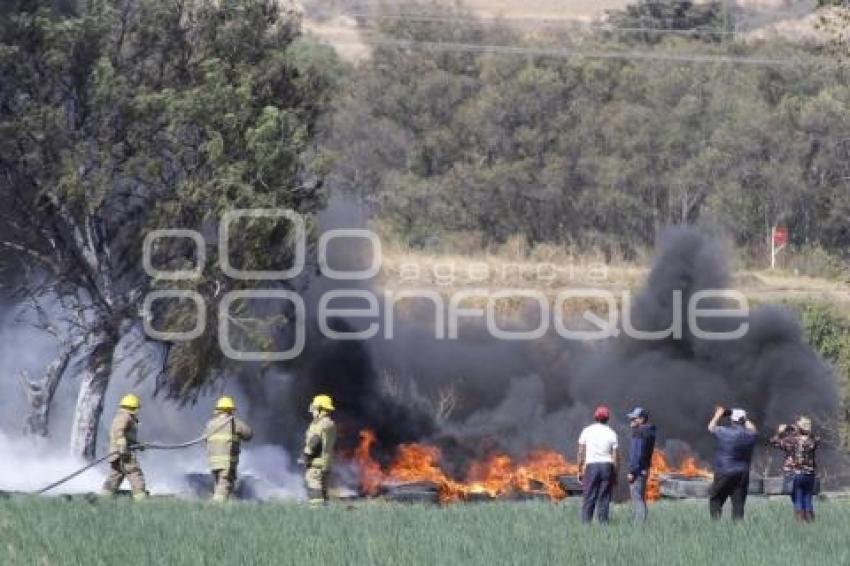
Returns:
(799,446)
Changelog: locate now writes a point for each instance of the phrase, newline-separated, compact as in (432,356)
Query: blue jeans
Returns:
(802,493)
(597,487)
(637,489)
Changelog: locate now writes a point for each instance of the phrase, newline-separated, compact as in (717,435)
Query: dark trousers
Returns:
(597,487)
(734,485)
(803,492)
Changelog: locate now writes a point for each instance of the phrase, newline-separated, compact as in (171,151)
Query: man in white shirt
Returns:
(597,463)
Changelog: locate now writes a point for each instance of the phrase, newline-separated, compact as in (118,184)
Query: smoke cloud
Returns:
(470,396)
(519,396)
(35,462)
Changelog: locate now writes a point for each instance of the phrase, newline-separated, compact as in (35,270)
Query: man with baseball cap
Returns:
(640,458)
(597,464)
(735,445)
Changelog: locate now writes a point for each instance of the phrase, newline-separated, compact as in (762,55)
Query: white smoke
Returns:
(31,463)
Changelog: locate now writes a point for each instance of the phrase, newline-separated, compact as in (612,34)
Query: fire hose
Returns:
(133,448)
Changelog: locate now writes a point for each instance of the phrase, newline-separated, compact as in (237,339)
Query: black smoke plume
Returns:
(519,396)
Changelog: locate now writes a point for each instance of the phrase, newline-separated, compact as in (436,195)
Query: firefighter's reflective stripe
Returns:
(220,462)
(221,437)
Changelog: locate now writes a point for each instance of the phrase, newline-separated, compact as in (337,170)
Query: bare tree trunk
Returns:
(40,392)
(92,391)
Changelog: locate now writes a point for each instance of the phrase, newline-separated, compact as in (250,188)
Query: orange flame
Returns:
(660,467)
(495,476)
(371,476)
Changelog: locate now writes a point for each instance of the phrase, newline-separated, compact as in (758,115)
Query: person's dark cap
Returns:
(637,413)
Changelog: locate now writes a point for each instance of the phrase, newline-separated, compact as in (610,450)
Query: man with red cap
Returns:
(597,463)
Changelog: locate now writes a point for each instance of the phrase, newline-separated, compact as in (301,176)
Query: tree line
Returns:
(602,149)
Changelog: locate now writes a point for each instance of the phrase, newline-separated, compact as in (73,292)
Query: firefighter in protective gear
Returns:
(123,461)
(225,434)
(318,449)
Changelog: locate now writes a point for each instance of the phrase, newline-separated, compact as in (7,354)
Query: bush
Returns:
(815,261)
(829,333)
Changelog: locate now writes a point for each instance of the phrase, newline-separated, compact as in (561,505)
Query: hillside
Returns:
(348,25)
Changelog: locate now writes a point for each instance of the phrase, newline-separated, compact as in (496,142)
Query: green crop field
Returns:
(53,531)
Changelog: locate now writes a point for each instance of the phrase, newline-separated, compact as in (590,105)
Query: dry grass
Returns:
(544,9)
(551,269)
(342,33)
(512,267)
(776,286)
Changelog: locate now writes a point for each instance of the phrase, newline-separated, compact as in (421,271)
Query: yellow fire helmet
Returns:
(323,402)
(130,402)
(225,404)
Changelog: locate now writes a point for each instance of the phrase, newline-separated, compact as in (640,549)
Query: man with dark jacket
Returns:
(640,458)
(735,445)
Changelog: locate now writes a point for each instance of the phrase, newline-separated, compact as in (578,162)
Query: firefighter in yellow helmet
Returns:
(123,461)
(318,449)
(225,434)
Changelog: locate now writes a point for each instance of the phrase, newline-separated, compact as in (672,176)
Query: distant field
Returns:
(54,532)
(793,19)
(538,9)
(553,271)
(544,9)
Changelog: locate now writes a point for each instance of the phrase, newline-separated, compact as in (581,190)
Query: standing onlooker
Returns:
(640,458)
(799,446)
(735,444)
(597,464)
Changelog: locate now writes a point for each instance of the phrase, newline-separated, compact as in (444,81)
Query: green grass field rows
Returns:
(106,532)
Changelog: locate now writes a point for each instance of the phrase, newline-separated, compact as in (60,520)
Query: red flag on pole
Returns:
(780,236)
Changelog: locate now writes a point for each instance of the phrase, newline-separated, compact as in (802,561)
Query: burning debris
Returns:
(415,473)
(496,476)
(518,406)
(661,472)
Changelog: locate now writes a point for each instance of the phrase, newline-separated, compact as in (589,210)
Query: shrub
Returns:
(829,333)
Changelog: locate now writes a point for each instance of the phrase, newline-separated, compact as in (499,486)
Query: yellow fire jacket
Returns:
(122,433)
(319,443)
(223,443)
